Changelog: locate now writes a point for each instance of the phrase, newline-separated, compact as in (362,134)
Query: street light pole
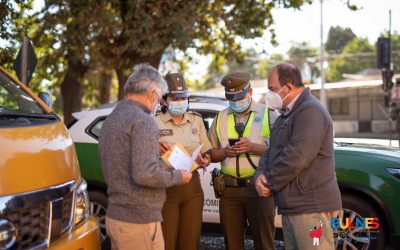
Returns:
(322,93)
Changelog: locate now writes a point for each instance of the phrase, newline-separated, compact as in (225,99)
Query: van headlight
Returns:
(81,212)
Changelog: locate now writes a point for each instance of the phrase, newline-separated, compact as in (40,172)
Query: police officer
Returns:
(249,123)
(182,211)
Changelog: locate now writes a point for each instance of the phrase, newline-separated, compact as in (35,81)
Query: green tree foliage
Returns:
(77,37)
(12,14)
(357,55)
(338,37)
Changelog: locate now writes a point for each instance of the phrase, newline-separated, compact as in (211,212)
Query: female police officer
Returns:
(182,211)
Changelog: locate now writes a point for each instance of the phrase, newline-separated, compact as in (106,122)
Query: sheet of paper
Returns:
(181,160)
(196,152)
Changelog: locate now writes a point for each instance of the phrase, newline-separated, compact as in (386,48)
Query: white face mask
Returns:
(274,100)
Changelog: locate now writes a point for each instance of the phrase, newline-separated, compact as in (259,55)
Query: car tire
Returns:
(354,206)
(98,207)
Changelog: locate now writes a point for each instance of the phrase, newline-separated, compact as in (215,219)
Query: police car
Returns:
(368,177)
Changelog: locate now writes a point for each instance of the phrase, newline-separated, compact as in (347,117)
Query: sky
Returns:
(304,25)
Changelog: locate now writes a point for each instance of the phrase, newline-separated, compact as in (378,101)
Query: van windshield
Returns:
(18,105)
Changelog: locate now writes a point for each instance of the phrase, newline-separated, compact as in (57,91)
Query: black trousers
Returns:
(240,207)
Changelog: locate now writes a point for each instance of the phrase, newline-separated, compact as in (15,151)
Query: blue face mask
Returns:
(239,106)
(178,108)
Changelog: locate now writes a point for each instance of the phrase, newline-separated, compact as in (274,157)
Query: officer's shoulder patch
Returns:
(195,113)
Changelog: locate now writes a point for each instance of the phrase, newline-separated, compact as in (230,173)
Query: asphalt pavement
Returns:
(217,243)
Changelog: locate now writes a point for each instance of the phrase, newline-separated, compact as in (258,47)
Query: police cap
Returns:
(236,85)
(176,85)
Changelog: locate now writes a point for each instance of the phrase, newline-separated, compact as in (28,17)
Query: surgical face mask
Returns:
(240,105)
(178,108)
(275,101)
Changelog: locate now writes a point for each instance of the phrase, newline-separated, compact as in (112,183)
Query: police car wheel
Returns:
(356,208)
(98,207)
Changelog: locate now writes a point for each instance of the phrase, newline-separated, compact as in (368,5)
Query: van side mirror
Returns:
(46,98)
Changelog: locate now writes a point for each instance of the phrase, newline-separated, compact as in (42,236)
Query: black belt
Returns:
(231,181)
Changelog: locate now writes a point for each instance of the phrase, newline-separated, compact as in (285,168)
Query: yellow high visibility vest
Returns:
(257,130)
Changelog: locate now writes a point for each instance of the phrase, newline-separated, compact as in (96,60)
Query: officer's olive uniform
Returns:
(183,208)
(240,205)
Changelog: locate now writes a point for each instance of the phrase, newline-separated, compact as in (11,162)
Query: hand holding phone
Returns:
(232,141)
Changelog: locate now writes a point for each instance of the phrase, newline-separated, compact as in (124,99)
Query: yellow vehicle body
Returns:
(41,189)
(48,150)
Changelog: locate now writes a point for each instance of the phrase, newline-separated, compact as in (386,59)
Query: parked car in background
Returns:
(368,177)
(43,198)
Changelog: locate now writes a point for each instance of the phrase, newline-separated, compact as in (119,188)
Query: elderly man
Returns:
(298,169)
(128,146)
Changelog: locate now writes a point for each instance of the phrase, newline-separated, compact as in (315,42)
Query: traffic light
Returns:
(383,52)
(387,82)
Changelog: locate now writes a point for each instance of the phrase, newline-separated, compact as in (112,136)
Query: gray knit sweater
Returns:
(128,147)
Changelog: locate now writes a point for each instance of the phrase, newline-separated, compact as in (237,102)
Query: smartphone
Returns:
(232,141)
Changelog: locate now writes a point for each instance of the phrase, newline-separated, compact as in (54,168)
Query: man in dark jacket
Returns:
(299,169)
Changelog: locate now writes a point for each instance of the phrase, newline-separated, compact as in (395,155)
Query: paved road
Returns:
(217,243)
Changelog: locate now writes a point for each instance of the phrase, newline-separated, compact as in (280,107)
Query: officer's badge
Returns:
(257,119)
(194,131)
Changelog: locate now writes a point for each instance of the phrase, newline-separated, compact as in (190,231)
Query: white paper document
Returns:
(180,160)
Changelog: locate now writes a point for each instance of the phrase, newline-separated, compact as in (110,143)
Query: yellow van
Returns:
(43,199)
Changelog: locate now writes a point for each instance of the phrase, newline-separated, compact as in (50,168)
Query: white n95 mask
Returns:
(274,100)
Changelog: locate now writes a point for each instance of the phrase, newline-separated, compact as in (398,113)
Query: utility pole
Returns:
(322,93)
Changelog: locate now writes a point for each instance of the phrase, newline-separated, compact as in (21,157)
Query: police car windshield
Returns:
(14,100)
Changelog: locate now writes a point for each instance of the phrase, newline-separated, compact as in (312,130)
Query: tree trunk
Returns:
(122,77)
(123,71)
(71,89)
(105,86)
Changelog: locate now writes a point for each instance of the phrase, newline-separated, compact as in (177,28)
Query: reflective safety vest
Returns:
(256,130)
